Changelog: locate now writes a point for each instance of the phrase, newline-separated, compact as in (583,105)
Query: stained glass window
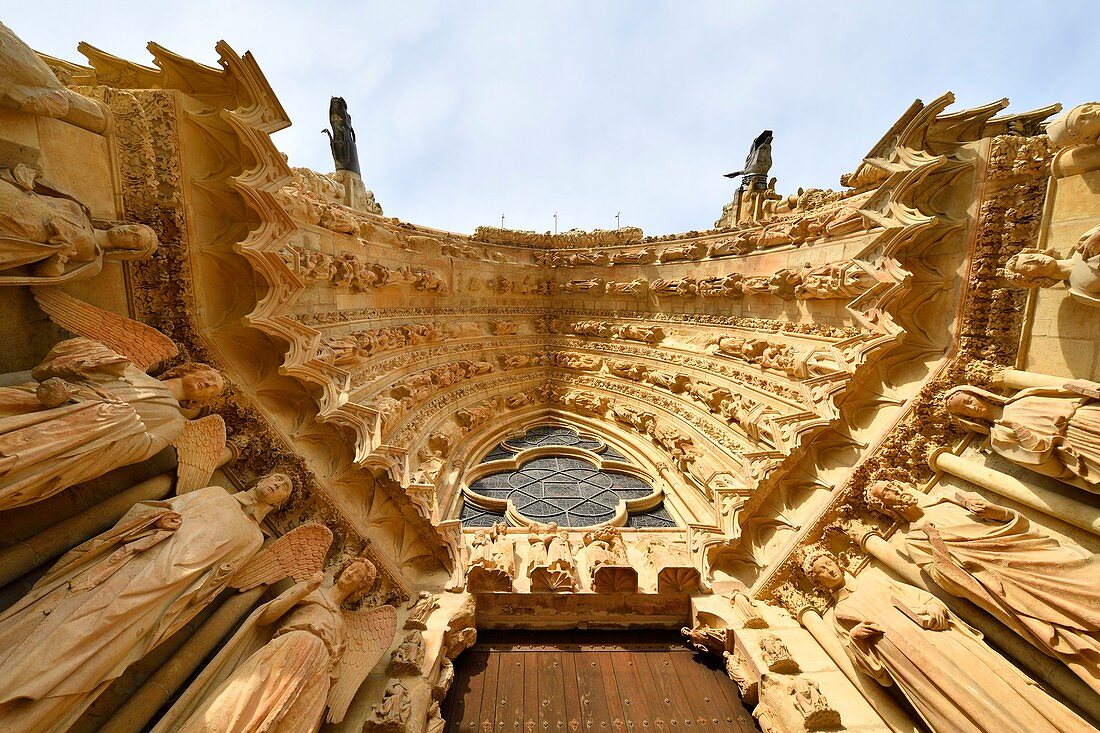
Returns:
(565,489)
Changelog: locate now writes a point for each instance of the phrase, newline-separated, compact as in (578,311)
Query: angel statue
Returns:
(292,658)
(92,408)
(111,600)
(1052,430)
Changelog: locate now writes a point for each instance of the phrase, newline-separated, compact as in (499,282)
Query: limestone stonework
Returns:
(270,459)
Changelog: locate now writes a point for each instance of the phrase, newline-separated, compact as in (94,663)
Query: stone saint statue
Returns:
(904,636)
(47,237)
(759,160)
(91,410)
(1032,268)
(1052,430)
(292,658)
(342,137)
(108,602)
(394,710)
(991,555)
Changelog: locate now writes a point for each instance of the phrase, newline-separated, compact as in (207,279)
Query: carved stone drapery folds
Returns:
(904,636)
(993,556)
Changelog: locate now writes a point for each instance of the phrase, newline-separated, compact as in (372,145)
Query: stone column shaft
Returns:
(1048,502)
(876,695)
(1017,379)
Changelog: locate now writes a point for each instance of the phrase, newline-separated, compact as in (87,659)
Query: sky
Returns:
(465,111)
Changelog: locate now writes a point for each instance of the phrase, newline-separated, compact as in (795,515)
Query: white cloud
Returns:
(464,111)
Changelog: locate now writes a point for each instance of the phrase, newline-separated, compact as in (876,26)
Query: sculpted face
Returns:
(202,385)
(273,490)
(356,575)
(892,496)
(966,404)
(826,573)
(132,238)
(1035,264)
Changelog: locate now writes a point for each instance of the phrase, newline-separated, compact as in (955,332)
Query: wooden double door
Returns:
(589,682)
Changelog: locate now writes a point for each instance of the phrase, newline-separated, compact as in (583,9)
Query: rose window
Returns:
(591,484)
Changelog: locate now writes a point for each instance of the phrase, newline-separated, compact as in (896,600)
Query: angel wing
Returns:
(198,449)
(141,344)
(369,634)
(299,553)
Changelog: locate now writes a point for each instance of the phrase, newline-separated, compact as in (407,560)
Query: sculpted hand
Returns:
(170,521)
(937,617)
(866,632)
(981,508)
(314,581)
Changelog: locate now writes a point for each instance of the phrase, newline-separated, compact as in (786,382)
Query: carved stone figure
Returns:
(583,286)
(776,655)
(684,287)
(47,237)
(608,567)
(550,565)
(1054,431)
(108,602)
(737,670)
(843,280)
(345,155)
(407,658)
(1079,126)
(392,714)
(1081,272)
(992,555)
(435,723)
(420,609)
(92,409)
(759,160)
(491,565)
(28,85)
(292,658)
(812,706)
(686,251)
(708,640)
(901,635)
(722,286)
(634,257)
(636,287)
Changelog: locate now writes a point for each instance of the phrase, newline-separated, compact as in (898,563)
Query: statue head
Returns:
(1079,126)
(1032,268)
(272,490)
(973,408)
(893,498)
(130,241)
(823,570)
(357,575)
(198,382)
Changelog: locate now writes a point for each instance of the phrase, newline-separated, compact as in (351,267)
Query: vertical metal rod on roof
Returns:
(617,224)
(555,222)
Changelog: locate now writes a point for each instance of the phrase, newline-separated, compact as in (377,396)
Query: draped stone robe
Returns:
(107,603)
(955,682)
(1044,591)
